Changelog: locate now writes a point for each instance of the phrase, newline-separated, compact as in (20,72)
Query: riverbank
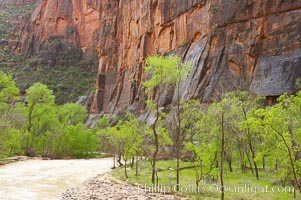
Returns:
(8,160)
(239,185)
(107,187)
(5,161)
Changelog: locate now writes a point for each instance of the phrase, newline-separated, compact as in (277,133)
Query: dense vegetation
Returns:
(61,66)
(35,125)
(238,136)
(237,140)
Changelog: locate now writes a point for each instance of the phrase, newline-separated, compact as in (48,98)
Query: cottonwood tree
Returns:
(282,122)
(178,76)
(8,95)
(103,129)
(111,140)
(169,70)
(38,126)
(241,108)
(163,140)
(218,115)
(132,138)
(57,127)
(200,141)
(39,99)
(71,114)
(11,119)
(127,136)
(161,70)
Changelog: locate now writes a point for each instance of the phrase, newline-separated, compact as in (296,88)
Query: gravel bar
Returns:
(106,187)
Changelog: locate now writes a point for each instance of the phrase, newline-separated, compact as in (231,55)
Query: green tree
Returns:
(202,142)
(8,89)
(218,115)
(39,101)
(131,136)
(164,71)
(282,121)
(160,69)
(178,75)
(102,129)
(10,118)
(242,107)
(45,131)
(72,114)
(80,141)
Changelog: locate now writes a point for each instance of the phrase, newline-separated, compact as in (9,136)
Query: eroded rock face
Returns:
(77,22)
(248,44)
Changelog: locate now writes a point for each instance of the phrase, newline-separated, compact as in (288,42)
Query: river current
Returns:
(47,179)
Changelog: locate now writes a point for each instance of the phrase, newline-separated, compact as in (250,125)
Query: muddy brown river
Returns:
(47,179)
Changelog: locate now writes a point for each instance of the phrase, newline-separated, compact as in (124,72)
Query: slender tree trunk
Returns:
(157,178)
(30,118)
(242,162)
(291,158)
(229,160)
(252,148)
(178,137)
(250,163)
(178,149)
(222,160)
(114,160)
(155,154)
(154,127)
(296,182)
(29,128)
(132,162)
(119,159)
(253,157)
(125,171)
(198,176)
(137,158)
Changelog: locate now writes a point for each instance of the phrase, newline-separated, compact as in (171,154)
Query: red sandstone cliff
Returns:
(246,44)
(76,21)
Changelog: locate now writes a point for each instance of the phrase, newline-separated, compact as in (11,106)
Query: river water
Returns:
(47,179)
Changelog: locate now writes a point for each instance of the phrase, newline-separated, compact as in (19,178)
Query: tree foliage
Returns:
(35,125)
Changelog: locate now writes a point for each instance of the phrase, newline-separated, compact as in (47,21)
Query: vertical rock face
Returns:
(249,44)
(77,22)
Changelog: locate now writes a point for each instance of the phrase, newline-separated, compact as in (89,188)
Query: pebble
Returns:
(106,187)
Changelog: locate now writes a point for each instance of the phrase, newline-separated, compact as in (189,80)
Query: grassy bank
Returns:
(243,183)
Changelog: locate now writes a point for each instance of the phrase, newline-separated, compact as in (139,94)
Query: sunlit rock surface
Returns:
(249,44)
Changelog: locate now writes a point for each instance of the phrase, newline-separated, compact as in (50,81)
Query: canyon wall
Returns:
(75,21)
(250,45)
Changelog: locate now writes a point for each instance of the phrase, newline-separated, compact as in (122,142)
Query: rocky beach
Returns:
(106,187)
